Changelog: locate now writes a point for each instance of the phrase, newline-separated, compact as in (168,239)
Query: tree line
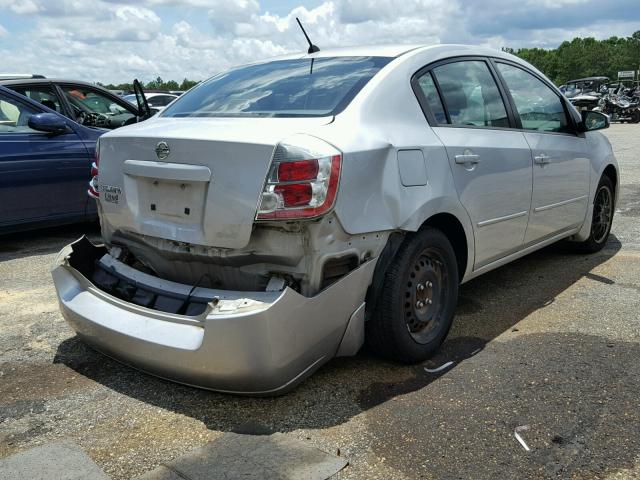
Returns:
(157,84)
(585,57)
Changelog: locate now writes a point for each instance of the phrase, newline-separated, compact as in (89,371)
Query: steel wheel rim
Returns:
(602,214)
(424,295)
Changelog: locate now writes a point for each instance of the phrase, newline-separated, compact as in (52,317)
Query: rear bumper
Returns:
(259,343)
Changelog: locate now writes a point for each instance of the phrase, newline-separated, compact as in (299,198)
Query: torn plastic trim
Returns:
(125,283)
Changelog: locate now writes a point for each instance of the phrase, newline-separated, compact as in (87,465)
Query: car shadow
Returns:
(489,305)
(44,241)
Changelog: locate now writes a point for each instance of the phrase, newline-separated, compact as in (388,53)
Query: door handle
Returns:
(542,159)
(467,158)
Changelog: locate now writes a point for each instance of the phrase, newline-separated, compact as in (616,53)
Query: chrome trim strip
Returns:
(491,221)
(559,204)
(520,253)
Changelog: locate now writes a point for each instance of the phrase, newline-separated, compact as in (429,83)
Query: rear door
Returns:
(41,176)
(561,164)
(490,161)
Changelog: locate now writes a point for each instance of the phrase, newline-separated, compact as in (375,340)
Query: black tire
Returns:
(423,272)
(603,210)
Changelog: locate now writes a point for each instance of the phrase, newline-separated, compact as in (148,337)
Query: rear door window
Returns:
(539,107)
(42,94)
(283,88)
(471,95)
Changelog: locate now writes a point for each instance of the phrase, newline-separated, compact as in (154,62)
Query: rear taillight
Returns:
(302,181)
(94,189)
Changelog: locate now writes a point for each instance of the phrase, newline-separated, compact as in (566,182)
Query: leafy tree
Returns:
(585,57)
(187,84)
(172,85)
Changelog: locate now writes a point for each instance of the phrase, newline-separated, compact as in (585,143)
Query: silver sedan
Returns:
(286,212)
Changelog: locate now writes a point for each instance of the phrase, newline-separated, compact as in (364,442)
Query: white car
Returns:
(283,213)
(156,101)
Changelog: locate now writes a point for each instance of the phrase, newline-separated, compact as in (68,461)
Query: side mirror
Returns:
(48,123)
(593,121)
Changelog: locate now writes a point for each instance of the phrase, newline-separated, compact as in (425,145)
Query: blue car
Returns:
(45,161)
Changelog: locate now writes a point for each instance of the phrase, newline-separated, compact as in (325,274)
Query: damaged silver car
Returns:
(284,213)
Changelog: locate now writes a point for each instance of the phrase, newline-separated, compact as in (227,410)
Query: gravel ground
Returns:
(551,341)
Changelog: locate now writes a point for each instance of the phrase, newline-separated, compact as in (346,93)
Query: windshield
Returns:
(131,99)
(282,88)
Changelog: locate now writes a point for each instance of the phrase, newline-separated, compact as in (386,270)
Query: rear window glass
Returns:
(433,99)
(283,88)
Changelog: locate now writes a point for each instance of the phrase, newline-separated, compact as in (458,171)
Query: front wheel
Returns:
(602,219)
(415,310)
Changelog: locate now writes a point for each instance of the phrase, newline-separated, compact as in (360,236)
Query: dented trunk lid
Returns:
(192,180)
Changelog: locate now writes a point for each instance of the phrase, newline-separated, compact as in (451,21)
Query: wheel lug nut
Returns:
(420,304)
(429,301)
(420,287)
(429,284)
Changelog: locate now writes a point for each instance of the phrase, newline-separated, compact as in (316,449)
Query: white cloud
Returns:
(20,7)
(117,40)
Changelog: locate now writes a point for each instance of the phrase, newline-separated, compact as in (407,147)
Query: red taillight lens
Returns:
(302,181)
(94,189)
(298,170)
(295,195)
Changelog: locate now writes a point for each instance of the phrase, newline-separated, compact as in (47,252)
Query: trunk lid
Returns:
(194,180)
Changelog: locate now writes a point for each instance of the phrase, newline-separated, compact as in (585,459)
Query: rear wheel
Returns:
(420,290)
(602,218)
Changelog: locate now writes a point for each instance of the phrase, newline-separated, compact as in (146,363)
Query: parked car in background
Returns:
(584,93)
(585,85)
(285,212)
(157,101)
(45,161)
(82,102)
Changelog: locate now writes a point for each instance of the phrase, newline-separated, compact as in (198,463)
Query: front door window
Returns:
(539,107)
(94,109)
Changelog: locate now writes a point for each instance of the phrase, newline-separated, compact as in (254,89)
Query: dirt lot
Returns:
(551,341)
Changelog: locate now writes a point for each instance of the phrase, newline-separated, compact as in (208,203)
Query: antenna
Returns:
(312,48)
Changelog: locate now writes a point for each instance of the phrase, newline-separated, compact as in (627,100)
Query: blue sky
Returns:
(117,40)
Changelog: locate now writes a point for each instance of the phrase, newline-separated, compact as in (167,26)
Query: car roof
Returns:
(154,94)
(398,50)
(389,50)
(17,76)
(587,79)
(35,81)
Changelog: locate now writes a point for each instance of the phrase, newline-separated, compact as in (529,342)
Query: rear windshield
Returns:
(283,88)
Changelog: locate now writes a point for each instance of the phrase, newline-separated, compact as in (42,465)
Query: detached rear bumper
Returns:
(260,343)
